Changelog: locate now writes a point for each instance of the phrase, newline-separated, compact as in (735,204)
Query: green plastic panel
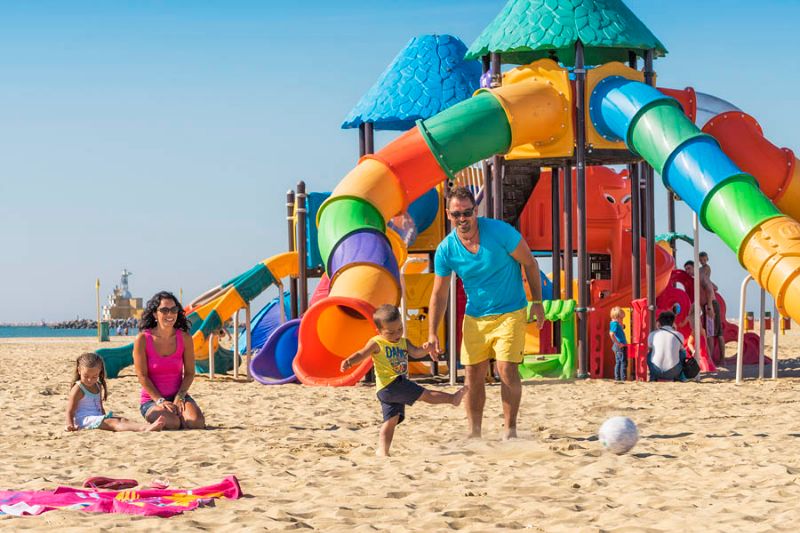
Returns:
(560,365)
(257,281)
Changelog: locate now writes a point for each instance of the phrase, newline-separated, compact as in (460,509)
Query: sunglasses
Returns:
(168,310)
(466,213)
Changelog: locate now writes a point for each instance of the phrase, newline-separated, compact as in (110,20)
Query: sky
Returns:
(162,136)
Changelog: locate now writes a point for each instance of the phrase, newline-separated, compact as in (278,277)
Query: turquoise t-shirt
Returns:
(619,331)
(492,278)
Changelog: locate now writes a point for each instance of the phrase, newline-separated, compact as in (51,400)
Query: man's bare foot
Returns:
(157,425)
(474,434)
(510,433)
(459,395)
(381,453)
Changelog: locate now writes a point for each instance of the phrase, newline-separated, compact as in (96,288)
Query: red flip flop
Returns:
(100,482)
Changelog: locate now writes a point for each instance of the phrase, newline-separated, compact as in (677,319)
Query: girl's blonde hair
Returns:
(617,311)
(91,360)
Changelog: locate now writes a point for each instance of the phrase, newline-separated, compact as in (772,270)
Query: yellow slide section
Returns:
(238,294)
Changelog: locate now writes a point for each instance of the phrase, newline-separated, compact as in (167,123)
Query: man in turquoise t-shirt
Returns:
(486,254)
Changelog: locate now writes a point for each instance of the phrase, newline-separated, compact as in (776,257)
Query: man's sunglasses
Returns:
(168,310)
(466,213)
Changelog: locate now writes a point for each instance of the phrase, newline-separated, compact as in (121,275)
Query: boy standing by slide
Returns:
(389,352)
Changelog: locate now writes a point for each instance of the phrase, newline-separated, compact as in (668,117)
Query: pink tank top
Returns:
(165,371)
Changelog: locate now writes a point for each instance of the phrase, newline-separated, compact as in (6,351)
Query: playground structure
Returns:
(533,142)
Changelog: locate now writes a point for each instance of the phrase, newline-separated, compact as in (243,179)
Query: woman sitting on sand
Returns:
(163,355)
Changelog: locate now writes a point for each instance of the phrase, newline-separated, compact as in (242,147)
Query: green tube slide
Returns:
(692,164)
(655,142)
(467,132)
(744,198)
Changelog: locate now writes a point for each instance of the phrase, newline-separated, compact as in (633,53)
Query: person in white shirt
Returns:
(666,356)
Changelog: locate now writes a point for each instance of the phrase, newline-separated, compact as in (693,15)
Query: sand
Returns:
(712,456)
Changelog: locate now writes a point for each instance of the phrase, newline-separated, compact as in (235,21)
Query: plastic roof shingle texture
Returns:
(427,76)
(526,30)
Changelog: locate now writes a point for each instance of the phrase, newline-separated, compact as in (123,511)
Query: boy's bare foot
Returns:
(510,433)
(157,425)
(381,453)
(459,395)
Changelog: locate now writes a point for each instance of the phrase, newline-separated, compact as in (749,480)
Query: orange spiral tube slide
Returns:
(413,164)
(330,331)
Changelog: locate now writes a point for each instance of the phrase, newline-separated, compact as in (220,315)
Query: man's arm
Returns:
(523,256)
(436,307)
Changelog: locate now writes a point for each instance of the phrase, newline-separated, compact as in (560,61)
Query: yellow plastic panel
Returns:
(538,102)
(771,253)
(418,290)
(418,295)
(283,265)
(593,77)
(398,246)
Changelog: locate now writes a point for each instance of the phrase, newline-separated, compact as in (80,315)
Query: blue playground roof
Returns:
(427,76)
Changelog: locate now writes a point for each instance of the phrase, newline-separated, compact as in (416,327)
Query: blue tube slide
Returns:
(272,365)
(264,323)
(691,163)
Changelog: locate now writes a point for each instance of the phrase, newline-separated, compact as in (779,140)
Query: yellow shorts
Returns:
(500,337)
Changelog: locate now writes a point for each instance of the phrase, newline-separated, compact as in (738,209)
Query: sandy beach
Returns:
(712,456)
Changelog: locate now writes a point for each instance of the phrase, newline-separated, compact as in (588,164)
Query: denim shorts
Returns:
(150,403)
(395,396)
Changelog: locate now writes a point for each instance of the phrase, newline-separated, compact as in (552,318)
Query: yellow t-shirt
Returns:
(391,361)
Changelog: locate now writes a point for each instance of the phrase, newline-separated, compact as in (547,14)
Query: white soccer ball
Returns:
(618,434)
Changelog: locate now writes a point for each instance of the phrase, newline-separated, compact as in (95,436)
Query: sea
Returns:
(44,331)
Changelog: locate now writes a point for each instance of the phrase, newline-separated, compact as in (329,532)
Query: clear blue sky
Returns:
(162,136)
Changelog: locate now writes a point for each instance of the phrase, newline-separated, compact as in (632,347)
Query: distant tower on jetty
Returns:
(121,304)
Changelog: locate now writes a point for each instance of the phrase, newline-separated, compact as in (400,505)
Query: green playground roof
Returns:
(526,30)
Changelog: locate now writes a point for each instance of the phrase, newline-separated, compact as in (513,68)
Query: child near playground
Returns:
(85,405)
(617,333)
(390,351)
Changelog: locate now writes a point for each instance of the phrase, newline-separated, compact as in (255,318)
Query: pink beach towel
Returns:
(147,502)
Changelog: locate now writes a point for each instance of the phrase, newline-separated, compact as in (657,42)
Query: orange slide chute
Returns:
(335,327)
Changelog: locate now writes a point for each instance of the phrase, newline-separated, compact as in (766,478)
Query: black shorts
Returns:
(399,393)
